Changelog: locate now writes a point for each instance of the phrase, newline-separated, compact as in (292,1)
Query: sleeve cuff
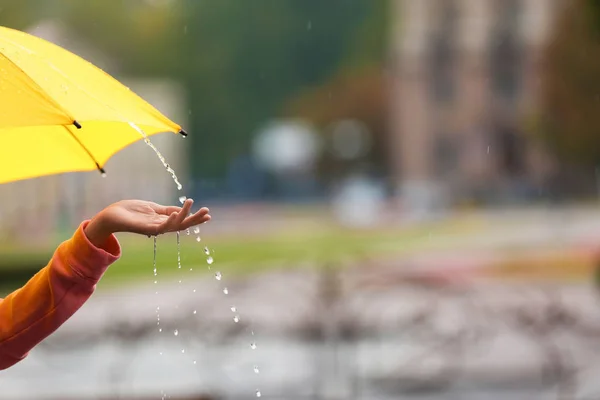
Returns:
(88,260)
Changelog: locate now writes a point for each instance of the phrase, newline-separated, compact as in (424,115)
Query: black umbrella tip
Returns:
(183,133)
(101,170)
(77,124)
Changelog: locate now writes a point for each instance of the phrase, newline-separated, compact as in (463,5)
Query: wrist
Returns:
(97,231)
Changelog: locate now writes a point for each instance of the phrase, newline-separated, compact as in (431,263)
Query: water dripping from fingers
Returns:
(154,261)
(178,250)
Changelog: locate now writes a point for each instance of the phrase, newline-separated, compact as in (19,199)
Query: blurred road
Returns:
(377,338)
(384,328)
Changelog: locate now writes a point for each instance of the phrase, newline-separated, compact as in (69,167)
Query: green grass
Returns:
(240,255)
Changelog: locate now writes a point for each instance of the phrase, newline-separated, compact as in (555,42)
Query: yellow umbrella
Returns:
(59,113)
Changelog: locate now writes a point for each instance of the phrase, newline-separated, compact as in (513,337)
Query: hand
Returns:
(142,217)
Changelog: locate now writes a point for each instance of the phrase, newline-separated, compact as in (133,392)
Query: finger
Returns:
(197,216)
(200,217)
(171,209)
(185,211)
(168,224)
(197,221)
(165,210)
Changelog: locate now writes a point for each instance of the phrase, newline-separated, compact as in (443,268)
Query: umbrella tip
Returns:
(101,170)
(183,133)
(77,124)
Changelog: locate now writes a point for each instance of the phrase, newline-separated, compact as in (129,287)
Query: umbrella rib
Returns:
(89,153)
(36,85)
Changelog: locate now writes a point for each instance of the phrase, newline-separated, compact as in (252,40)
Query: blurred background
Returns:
(404,197)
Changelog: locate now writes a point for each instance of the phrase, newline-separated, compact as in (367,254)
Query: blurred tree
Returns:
(144,36)
(595,12)
(355,95)
(356,90)
(570,114)
(18,14)
(248,60)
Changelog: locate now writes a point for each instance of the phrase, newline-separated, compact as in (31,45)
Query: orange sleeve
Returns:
(53,295)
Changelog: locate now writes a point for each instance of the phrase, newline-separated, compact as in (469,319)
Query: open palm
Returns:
(147,218)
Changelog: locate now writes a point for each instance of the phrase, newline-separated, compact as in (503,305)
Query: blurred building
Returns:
(465,84)
(34,210)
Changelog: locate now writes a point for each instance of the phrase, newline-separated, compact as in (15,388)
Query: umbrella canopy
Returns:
(59,113)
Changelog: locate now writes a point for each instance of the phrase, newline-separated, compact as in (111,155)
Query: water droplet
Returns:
(256,370)
(103,174)
(160,329)
(253,346)
(233,309)
(180,281)
(191,269)
(194,362)
(196,230)
(198,239)
(225,290)
(195,311)
(176,333)
(182,350)
(154,261)
(157,308)
(187,231)
(182,199)
(258,394)
(194,290)
(209,260)
(236,319)
(218,276)
(206,251)
(155,282)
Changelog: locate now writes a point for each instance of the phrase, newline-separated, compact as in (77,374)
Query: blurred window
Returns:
(443,54)
(511,145)
(506,52)
(446,153)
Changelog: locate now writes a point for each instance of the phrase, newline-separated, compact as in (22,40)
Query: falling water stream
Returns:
(207,253)
(158,153)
